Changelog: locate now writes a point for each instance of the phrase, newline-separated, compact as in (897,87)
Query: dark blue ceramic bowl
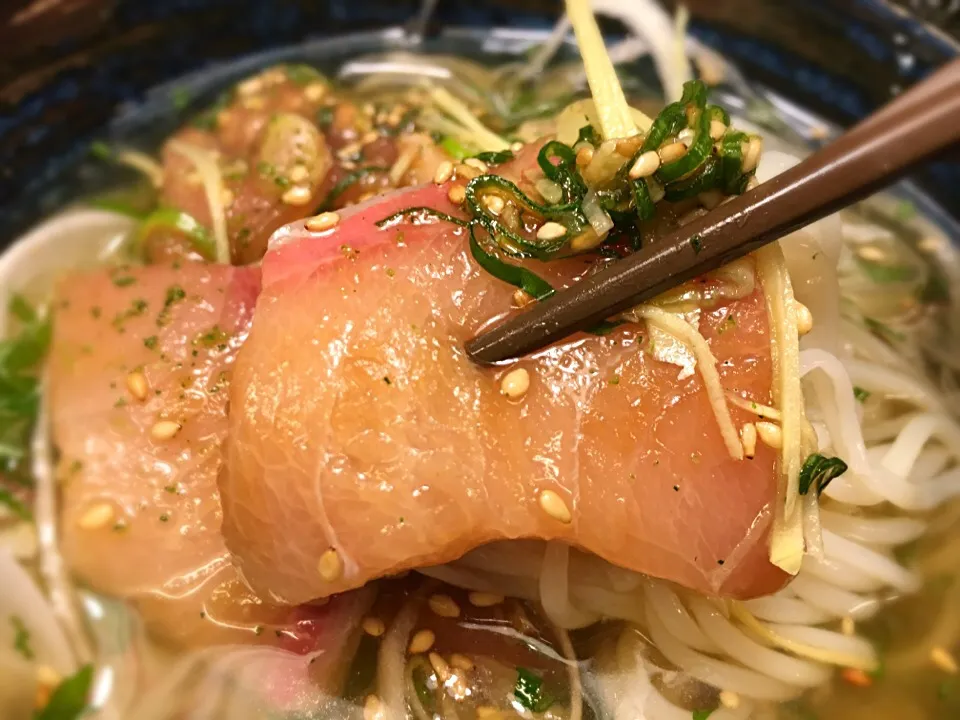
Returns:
(76,70)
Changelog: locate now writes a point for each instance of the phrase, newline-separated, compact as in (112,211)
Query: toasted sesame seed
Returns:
(770,434)
(848,626)
(372,708)
(322,222)
(857,677)
(729,699)
(47,676)
(551,231)
(717,129)
(944,660)
(516,147)
(671,152)
(494,203)
(804,318)
(515,383)
(164,429)
(554,506)
(751,156)
(298,173)
(314,92)
(686,136)
(748,438)
(522,298)
(349,150)
(297,195)
(137,385)
(483,599)
(457,194)
(645,166)
(251,86)
(440,666)
(373,626)
(98,516)
(467,172)
(254,102)
(584,156)
(444,606)
(444,172)
(461,662)
(421,642)
(330,565)
(476,163)
(369,137)
(627,147)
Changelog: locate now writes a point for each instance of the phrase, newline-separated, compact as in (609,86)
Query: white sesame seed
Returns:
(254,102)
(476,163)
(298,173)
(717,129)
(164,429)
(483,599)
(494,203)
(444,172)
(751,156)
(748,438)
(96,517)
(647,164)
(369,137)
(515,383)
(373,626)
(804,318)
(297,195)
(686,136)
(551,231)
(554,506)
(671,152)
(421,642)
(322,222)
(944,660)
(137,385)
(461,662)
(516,147)
(848,626)
(457,194)
(372,708)
(872,253)
(314,92)
(330,565)
(770,434)
(444,606)
(729,699)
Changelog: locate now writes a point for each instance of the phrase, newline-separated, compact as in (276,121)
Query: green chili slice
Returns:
(520,277)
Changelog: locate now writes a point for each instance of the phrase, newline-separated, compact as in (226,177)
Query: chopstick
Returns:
(907,131)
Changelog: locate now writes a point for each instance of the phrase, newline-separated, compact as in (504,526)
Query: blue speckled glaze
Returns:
(107,70)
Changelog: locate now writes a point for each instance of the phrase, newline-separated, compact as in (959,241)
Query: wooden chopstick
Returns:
(907,131)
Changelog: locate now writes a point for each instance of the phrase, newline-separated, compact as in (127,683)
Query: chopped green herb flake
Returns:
(100,150)
(150,342)
(615,380)
(906,210)
(391,272)
(164,517)
(21,638)
(883,273)
(69,700)
(818,471)
(180,97)
(860,394)
(702,714)
(123,280)
(696,242)
(529,692)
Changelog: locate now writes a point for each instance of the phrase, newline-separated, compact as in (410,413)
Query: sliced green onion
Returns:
(179,221)
(495,158)
(818,471)
(520,277)
(454,148)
